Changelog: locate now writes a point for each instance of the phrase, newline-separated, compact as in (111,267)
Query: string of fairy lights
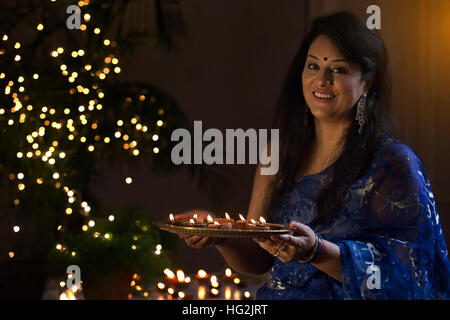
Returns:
(70,126)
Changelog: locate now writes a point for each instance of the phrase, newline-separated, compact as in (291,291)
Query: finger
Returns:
(299,228)
(275,237)
(194,239)
(283,241)
(268,245)
(288,239)
(264,242)
(276,243)
(202,242)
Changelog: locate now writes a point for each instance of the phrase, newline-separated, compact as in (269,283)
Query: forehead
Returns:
(323,46)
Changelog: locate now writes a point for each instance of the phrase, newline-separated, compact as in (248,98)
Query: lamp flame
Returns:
(227,216)
(169,273)
(210,219)
(180,276)
(263,221)
(202,273)
(171,217)
(241,217)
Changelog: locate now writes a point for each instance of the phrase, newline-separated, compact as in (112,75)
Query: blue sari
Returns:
(388,232)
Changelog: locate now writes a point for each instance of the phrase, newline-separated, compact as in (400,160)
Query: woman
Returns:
(364,220)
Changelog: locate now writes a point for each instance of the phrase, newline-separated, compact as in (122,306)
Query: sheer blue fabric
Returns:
(391,241)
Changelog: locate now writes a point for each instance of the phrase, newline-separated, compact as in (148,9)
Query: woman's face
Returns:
(331,84)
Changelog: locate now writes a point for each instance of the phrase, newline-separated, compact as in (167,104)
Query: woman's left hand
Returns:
(290,247)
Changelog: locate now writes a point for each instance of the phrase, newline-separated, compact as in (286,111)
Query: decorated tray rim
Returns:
(221,232)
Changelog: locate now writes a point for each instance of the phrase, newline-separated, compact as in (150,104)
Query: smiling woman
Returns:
(359,204)
(331,87)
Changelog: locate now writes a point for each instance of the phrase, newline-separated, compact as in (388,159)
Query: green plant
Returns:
(122,242)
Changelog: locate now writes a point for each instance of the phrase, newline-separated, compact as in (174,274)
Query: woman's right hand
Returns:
(198,241)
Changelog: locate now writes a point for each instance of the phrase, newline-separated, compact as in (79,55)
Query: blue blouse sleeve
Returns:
(400,253)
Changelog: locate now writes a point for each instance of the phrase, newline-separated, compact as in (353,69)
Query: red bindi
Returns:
(325,58)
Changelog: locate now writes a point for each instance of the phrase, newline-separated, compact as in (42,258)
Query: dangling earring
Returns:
(361,111)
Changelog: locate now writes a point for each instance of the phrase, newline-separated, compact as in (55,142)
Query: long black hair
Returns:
(364,47)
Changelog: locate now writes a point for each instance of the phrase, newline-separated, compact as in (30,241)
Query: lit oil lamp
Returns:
(247,295)
(258,225)
(195,221)
(198,219)
(225,223)
(262,224)
(180,276)
(229,276)
(183,296)
(175,280)
(170,275)
(252,225)
(214,282)
(242,223)
(209,220)
(177,221)
(181,280)
(170,292)
(214,293)
(214,225)
(160,287)
(202,276)
(238,282)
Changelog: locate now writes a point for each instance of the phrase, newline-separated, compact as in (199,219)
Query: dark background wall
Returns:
(228,72)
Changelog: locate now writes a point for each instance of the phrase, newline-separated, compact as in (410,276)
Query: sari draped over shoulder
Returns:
(388,231)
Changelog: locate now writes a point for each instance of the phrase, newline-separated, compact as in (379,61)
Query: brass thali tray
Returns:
(223,233)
